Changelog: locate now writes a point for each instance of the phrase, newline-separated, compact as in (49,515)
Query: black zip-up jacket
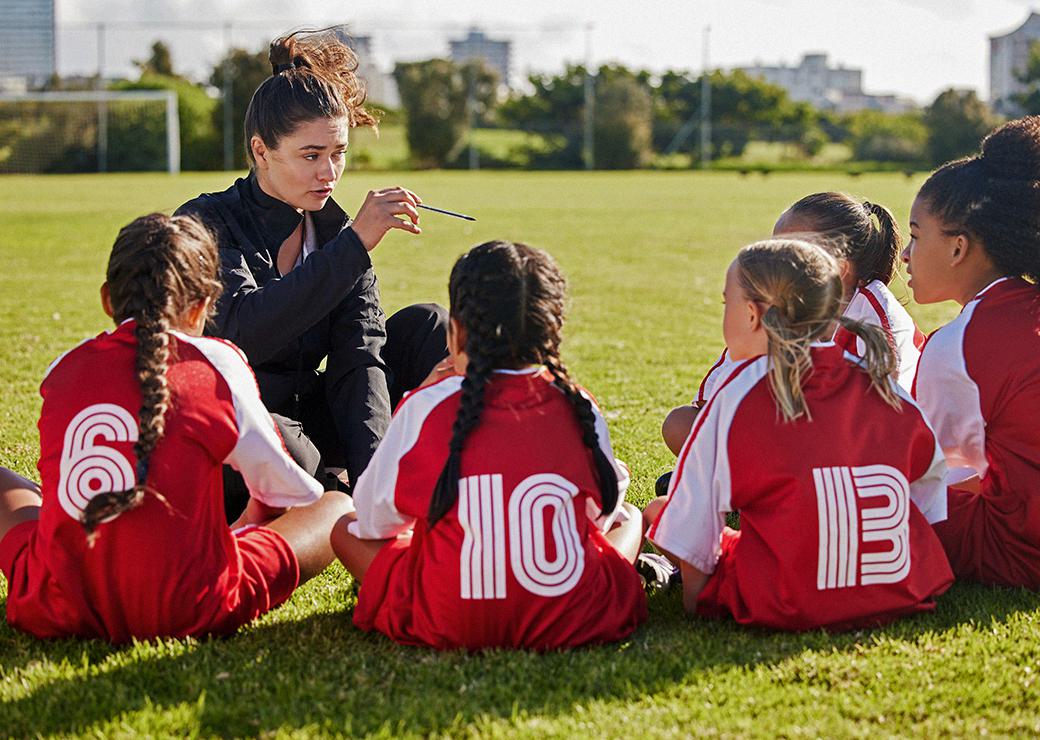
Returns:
(326,307)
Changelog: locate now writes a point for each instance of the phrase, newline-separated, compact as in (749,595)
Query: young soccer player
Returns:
(493,512)
(126,537)
(975,239)
(833,468)
(867,238)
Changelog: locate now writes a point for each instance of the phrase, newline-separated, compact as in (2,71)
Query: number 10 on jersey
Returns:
(482,516)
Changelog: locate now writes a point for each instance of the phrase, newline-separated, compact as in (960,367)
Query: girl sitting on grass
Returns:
(493,514)
(126,536)
(867,238)
(833,468)
(975,239)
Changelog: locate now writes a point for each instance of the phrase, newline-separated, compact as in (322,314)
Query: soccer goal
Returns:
(89,131)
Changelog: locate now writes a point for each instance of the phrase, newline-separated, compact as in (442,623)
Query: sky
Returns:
(915,48)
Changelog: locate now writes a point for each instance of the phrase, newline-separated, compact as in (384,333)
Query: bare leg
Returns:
(307,530)
(627,537)
(19,501)
(677,426)
(355,554)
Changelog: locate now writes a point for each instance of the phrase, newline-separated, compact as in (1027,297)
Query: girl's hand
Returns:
(379,213)
(444,369)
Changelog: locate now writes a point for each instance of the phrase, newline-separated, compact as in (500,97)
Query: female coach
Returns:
(299,287)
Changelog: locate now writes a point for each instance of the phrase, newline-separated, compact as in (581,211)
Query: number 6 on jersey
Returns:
(483,557)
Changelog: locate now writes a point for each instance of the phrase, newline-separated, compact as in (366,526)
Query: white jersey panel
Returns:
(605,520)
(929,491)
(722,368)
(377,515)
(690,525)
(876,305)
(271,475)
(950,398)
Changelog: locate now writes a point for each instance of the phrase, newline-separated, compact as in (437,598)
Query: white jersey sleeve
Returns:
(605,520)
(950,398)
(691,522)
(378,517)
(717,374)
(874,304)
(928,492)
(271,475)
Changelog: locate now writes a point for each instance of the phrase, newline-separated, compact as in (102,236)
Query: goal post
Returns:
(89,130)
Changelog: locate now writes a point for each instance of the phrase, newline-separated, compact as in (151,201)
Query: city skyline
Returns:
(911,47)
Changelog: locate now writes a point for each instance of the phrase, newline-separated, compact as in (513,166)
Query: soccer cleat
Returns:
(661,486)
(657,571)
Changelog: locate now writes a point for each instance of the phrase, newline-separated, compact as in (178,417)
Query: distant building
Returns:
(26,42)
(1008,56)
(838,88)
(497,55)
(379,85)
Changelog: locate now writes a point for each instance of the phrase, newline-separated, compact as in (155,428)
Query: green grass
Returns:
(645,254)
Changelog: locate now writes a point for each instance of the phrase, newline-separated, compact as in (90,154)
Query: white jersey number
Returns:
(843,526)
(483,558)
(88,468)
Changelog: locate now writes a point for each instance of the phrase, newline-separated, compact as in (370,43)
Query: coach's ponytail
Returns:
(509,298)
(160,267)
(313,76)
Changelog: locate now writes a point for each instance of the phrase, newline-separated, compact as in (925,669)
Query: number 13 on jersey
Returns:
(484,551)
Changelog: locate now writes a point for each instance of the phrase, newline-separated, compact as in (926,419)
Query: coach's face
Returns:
(306,165)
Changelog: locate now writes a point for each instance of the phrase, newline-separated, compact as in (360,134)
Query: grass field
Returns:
(645,254)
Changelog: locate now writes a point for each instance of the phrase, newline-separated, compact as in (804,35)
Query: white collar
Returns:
(529,370)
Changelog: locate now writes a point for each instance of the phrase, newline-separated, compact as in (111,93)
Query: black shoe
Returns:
(657,571)
(661,486)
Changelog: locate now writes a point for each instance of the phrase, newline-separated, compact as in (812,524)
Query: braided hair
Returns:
(994,197)
(160,267)
(868,232)
(510,298)
(313,76)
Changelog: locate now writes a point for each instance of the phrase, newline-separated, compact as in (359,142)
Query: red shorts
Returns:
(269,574)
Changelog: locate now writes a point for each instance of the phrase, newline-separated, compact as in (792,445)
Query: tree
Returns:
(623,123)
(159,61)
(439,98)
(957,120)
(1029,100)
(248,70)
(882,137)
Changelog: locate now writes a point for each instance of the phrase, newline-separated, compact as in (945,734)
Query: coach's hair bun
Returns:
(1012,152)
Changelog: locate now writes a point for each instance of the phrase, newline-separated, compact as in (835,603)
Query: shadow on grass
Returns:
(321,673)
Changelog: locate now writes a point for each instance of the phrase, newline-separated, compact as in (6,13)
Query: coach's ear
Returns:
(106,301)
(259,149)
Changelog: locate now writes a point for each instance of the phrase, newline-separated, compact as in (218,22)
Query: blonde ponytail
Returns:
(879,359)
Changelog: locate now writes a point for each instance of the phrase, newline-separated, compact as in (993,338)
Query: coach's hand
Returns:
(382,211)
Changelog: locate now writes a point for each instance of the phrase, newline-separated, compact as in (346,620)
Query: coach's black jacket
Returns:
(286,325)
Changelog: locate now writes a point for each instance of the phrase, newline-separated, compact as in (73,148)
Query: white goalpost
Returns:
(101,130)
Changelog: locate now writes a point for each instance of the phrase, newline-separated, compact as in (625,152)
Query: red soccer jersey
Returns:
(834,512)
(520,560)
(979,384)
(154,570)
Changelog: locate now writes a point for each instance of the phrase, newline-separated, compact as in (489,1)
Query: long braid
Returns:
(159,267)
(605,473)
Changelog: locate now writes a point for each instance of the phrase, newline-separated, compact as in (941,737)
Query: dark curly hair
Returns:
(509,298)
(994,197)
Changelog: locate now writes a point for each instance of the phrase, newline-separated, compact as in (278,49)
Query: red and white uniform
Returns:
(979,384)
(520,560)
(834,512)
(874,304)
(154,570)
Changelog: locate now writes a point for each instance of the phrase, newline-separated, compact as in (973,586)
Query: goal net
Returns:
(89,131)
